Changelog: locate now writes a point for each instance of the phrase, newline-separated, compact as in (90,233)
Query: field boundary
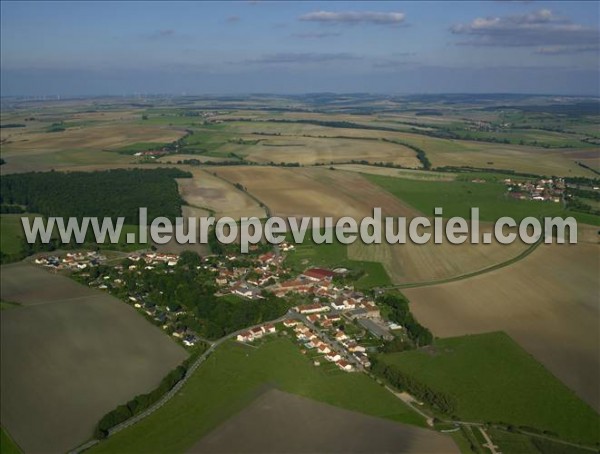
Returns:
(488,269)
(173,391)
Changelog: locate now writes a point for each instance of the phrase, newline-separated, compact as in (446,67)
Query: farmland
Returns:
(276,422)
(306,156)
(308,192)
(546,302)
(207,191)
(12,232)
(457,197)
(232,378)
(494,380)
(411,263)
(71,350)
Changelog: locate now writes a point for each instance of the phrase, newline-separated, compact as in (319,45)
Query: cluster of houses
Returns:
(256,333)
(152,259)
(311,340)
(541,190)
(72,261)
(248,281)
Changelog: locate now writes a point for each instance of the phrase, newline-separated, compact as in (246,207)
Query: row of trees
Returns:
(402,381)
(142,402)
(109,193)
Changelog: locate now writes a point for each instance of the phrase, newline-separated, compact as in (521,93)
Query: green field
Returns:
(11,233)
(232,377)
(457,197)
(309,254)
(7,305)
(7,445)
(494,380)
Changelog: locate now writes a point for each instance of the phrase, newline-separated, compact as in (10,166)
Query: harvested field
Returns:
(209,192)
(314,192)
(69,355)
(98,138)
(410,262)
(174,247)
(279,422)
(401,173)
(77,146)
(312,150)
(547,302)
(441,152)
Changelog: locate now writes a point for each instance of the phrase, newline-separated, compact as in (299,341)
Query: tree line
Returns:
(403,381)
(109,193)
(142,402)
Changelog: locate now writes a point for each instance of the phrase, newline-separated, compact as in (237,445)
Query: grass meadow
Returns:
(494,380)
(232,377)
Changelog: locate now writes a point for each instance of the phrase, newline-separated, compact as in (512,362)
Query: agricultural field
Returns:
(208,191)
(314,191)
(277,422)
(252,157)
(72,351)
(441,152)
(233,377)
(11,233)
(494,380)
(458,196)
(76,146)
(313,150)
(413,264)
(546,302)
(7,445)
(408,174)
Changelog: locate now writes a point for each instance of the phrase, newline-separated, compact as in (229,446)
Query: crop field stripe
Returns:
(495,267)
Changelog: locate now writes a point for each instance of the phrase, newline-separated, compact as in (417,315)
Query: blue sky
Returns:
(78,48)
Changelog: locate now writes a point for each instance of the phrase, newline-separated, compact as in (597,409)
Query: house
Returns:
(323,348)
(333,356)
(318,274)
(340,336)
(338,304)
(313,318)
(190,340)
(344,365)
(311,308)
(269,328)
(289,323)
(362,358)
(354,347)
(257,333)
(245,336)
(371,309)
(266,258)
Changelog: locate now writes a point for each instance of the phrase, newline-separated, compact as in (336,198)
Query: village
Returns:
(543,190)
(329,324)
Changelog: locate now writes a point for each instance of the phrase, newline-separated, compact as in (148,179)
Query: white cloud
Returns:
(538,28)
(355,17)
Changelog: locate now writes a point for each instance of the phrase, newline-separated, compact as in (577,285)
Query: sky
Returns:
(122,48)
